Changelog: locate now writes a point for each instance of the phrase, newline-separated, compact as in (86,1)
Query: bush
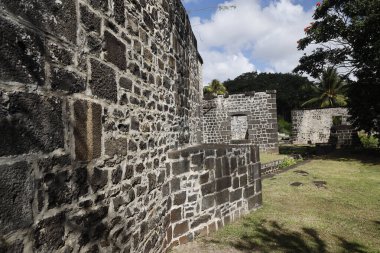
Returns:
(289,161)
(368,140)
(284,126)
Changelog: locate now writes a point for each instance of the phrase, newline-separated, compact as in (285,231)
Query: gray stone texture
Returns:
(242,118)
(314,126)
(100,130)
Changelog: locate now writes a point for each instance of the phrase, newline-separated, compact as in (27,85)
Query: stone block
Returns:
(176,215)
(180,167)
(16,193)
(103,81)
(180,198)
(21,53)
(126,83)
(197,159)
(223,183)
(204,178)
(49,233)
(98,179)
(62,79)
(33,123)
(59,191)
(118,9)
(222,197)
(87,130)
(255,202)
(115,51)
(208,188)
(210,163)
(55,17)
(180,229)
(201,220)
(208,202)
(249,191)
(236,195)
(116,146)
(90,21)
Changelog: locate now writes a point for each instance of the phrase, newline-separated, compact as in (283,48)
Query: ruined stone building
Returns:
(101,131)
(329,125)
(242,118)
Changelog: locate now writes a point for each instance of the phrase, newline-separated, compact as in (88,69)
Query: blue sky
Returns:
(257,35)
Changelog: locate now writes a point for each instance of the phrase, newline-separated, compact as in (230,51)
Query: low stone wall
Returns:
(56,205)
(344,136)
(270,168)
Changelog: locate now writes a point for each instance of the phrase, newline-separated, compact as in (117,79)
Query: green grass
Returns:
(269,157)
(343,216)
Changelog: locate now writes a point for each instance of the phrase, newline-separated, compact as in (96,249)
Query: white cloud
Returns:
(269,35)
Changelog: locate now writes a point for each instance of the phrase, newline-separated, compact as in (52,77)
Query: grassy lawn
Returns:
(268,157)
(340,213)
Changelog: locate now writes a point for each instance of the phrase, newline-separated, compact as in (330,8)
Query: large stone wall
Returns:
(314,126)
(95,97)
(249,118)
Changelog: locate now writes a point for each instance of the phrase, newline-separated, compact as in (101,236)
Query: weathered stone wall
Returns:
(95,96)
(314,126)
(250,117)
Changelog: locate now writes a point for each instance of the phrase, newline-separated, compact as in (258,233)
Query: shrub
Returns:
(368,140)
(289,161)
(284,126)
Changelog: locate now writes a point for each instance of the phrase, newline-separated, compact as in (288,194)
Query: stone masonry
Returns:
(100,131)
(242,118)
(314,126)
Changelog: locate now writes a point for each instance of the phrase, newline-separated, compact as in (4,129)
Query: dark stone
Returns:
(319,184)
(179,198)
(220,152)
(197,159)
(49,233)
(119,8)
(140,168)
(175,184)
(129,172)
(21,53)
(208,188)
(222,197)
(59,191)
(14,247)
(152,180)
(91,22)
(201,220)
(204,178)
(117,147)
(180,167)
(249,191)
(115,51)
(116,175)
(103,81)
(218,168)
(235,183)
(223,183)
(87,144)
(56,17)
(181,228)
(126,83)
(233,163)
(255,202)
(99,4)
(86,204)
(15,197)
(99,179)
(226,167)
(208,202)
(66,80)
(34,124)
(135,124)
(132,146)
(236,195)
(243,180)
(296,184)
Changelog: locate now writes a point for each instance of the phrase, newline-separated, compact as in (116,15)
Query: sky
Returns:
(257,35)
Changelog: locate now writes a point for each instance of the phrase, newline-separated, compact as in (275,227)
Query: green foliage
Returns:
(214,88)
(330,90)
(284,126)
(348,35)
(368,141)
(288,161)
(292,90)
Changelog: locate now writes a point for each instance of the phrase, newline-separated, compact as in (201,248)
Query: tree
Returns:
(214,88)
(330,91)
(348,37)
(292,90)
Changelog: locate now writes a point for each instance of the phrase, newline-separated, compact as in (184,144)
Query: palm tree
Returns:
(330,90)
(214,88)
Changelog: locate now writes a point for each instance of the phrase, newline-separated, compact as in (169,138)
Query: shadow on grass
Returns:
(271,236)
(371,157)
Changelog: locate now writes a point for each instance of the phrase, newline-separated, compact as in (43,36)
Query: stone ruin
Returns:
(101,131)
(323,126)
(242,118)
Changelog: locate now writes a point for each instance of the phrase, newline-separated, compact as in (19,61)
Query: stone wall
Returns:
(95,97)
(314,126)
(249,118)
